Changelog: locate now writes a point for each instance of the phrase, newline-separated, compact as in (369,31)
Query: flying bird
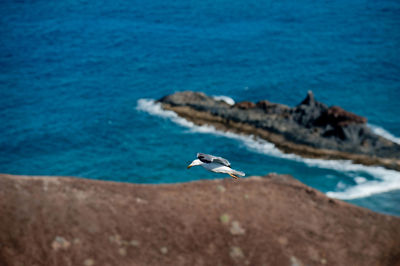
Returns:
(215,164)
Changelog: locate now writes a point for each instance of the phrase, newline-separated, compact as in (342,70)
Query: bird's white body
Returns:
(217,168)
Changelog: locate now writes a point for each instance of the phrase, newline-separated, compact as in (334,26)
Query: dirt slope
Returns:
(273,220)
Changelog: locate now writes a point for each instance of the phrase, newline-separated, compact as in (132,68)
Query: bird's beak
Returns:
(189,166)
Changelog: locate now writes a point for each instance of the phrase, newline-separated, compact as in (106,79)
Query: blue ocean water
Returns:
(77,79)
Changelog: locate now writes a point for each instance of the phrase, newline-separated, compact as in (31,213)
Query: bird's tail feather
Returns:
(238,173)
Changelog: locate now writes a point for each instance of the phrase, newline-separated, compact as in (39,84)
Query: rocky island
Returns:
(310,129)
(270,220)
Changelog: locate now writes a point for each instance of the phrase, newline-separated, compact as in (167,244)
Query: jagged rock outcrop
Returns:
(336,116)
(271,220)
(245,105)
(310,129)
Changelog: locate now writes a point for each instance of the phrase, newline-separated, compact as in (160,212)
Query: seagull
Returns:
(215,164)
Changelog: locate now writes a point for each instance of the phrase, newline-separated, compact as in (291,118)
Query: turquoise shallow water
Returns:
(73,76)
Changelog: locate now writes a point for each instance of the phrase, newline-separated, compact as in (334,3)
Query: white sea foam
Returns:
(154,108)
(360,179)
(226,99)
(384,179)
(367,189)
(384,133)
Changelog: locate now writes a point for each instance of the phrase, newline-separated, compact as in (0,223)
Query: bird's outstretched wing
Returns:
(207,158)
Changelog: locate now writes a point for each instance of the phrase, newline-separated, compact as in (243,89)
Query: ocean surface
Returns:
(78,80)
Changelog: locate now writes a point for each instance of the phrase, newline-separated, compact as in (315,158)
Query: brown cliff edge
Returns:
(271,220)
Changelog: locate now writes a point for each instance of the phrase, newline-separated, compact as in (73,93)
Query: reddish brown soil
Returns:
(274,220)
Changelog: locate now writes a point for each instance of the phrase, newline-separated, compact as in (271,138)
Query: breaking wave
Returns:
(384,179)
(226,99)
(384,133)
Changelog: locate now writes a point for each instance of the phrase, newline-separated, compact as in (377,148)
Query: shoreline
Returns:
(202,116)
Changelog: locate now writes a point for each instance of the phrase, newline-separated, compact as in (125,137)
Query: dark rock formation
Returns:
(273,108)
(245,105)
(274,220)
(308,111)
(310,129)
(336,116)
